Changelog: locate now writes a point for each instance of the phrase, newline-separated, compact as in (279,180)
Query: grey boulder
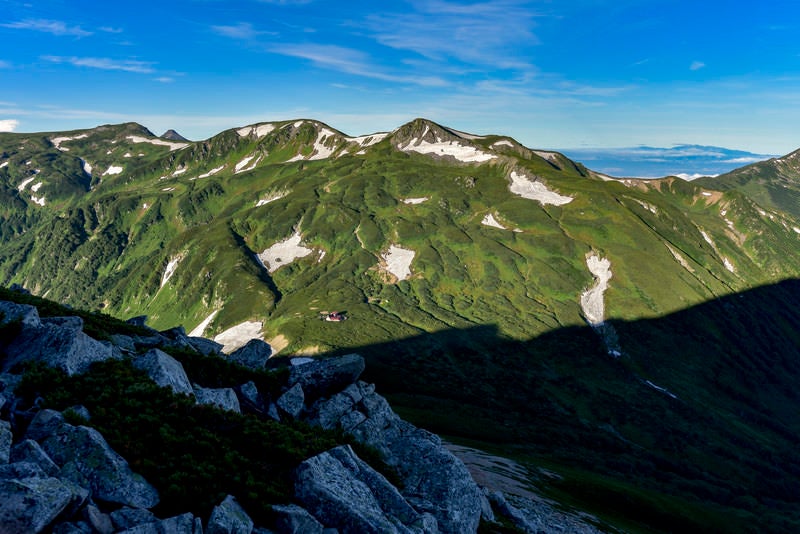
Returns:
(27,315)
(29,505)
(31,452)
(253,355)
(342,491)
(292,402)
(88,461)
(229,517)
(222,398)
(59,342)
(165,371)
(323,377)
(293,519)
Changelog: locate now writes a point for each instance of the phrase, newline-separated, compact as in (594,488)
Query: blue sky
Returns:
(550,73)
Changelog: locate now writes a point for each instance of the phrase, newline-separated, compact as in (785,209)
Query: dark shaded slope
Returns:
(693,429)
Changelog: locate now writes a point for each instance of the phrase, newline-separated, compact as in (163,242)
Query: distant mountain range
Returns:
(632,342)
(685,161)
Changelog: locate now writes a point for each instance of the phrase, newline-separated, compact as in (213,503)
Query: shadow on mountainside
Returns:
(693,428)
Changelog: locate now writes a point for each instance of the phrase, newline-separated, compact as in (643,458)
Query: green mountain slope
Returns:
(774,183)
(468,242)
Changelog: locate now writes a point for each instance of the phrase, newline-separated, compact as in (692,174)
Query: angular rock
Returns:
(292,402)
(60,343)
(323,377)
(124,343)
(24,313)
(253,355)
(100,522)
(165,371)
(249,397)
(20,470)
(88,461)
(181,524)
(5,441)
(328,413)
(176,337)
(30,505)
(342,491)
(204,346)
(222,398)
(434,480)
(229,518)
(127,517)
(45,423)
(272,412)
(31,452)
(78,527)
(292,519)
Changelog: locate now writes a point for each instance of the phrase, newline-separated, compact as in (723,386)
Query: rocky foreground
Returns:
(56,476)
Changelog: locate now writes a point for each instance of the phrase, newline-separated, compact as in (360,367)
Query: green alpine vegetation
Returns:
(468,268)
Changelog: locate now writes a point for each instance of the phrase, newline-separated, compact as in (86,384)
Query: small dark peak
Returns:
(424,130)
(172,135)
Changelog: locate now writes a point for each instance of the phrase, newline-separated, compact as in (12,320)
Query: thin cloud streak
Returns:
(55,27)
(350,61)
(126,65)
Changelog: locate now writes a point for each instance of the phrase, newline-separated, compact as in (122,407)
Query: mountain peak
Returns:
(172,135)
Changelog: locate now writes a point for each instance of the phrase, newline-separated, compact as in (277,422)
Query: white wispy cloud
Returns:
(127,65)
(350,61)
(244,31)
(55,27)
(109,29)
(165,79)
(8,125)
(696,65)
(484,33)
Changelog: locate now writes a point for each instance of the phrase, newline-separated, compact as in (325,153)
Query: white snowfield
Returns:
(58,140)
(271,198)
(170,270)
(21,187)
(398,261)
(320,150)
(463,153)
(592,302)
(243,166)
(37,200)
(173,145)
(199,329)
(417,200)
(535,190)
(489,220)
(503,142)
(260,130)
(284,253)
(35,187)
(796,229)
(4,164)
(212,172)
(728,265)
(87,167)
(113,169)
(127,155)
(550,156)
(368,140)
(180,171)
(237,336)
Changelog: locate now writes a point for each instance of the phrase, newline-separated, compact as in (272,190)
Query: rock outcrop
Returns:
(65,478)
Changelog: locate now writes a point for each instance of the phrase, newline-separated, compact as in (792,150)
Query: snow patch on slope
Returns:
(271,198)
(4,164)
(680,259)
(237,336)
(199,329)
(113,169)
(37,200)
(463,153)
(489,220)
(243,166)
(283,253)
(368,140)
(417,200)
(260,130)
(535,190)
(160,142)
(21,187)
(503,142)
(212,172)
(592,302)
(58,140)
(549,156)
(170,270)
(398,261)
(35,188)
(87,167)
